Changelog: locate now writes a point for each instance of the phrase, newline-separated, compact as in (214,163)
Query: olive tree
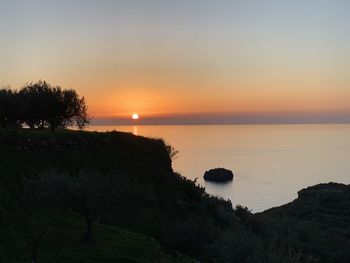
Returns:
(45,105)
(9,111)
(90,194)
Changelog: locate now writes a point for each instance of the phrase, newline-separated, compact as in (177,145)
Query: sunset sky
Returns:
(189,61)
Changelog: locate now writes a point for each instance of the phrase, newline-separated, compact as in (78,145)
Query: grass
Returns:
(62,244)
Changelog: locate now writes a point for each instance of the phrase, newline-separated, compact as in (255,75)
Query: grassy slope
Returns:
(61,244)
(23,154)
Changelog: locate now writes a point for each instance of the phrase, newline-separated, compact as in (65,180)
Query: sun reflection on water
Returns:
(135,130)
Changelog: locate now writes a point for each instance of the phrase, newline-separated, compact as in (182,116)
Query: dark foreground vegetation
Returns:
(74,196)
(40,105)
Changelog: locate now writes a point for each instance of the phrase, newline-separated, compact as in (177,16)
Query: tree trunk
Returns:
(34,245)
(88,237)
(42,125)
(34,253)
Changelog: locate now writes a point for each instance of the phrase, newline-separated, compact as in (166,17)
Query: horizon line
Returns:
(336,117)
(221,124)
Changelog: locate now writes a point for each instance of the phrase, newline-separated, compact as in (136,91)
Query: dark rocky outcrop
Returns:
(218,175)
(317,221)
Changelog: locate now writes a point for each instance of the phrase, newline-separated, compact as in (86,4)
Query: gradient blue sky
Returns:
(184,60)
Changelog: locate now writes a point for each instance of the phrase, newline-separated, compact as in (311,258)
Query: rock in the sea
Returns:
(218,175)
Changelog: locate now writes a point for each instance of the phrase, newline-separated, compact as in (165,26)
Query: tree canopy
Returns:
(40,105)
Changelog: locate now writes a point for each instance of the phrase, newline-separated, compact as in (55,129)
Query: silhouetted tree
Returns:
(89,193)
(74,109)
(9,115)
(34,101)
(94,194)
(47,105)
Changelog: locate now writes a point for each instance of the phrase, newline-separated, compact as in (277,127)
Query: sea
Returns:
(271,163)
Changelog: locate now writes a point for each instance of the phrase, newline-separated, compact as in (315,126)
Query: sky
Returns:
(185,61)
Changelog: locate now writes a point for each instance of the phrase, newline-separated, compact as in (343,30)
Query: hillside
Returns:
(61,244)
(26,153)
(73,196)
(317,221)
(160,204)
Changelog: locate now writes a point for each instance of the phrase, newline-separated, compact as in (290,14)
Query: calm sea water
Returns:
(270,162)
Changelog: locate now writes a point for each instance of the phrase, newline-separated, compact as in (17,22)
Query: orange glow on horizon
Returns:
(171,62)
(153,103)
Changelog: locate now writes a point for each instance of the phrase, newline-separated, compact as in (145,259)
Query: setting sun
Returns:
(135,116)
(175,127)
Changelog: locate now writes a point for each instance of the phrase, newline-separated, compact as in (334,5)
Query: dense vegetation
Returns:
(40,105)
(74,196)
(317,222)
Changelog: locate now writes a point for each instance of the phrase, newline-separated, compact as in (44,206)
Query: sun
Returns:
(135,116)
